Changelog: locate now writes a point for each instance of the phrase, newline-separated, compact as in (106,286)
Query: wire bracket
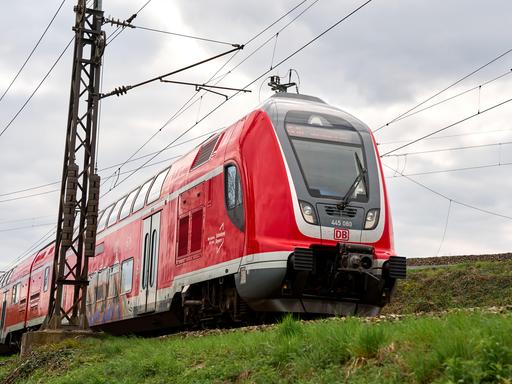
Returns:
(122,90)
(207,88)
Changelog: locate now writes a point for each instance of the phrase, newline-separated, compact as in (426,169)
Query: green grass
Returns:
(465,347)
(460,347)
(477,284)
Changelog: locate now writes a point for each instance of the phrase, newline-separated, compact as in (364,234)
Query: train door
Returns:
(149,270)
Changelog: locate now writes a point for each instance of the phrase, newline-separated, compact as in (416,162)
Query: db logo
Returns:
(341,234)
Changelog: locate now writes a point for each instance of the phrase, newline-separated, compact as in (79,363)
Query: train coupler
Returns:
(355,256)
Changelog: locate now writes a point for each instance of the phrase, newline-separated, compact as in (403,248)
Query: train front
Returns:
(319,238)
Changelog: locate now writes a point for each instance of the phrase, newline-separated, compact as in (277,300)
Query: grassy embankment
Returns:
(469,347)
(466,346)
(474,284)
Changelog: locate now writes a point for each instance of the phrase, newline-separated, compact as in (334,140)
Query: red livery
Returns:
(284,211)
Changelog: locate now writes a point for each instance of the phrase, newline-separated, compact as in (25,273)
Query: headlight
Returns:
(308,212)
(372,219)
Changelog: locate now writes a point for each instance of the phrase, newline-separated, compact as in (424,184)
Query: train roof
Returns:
(283,102)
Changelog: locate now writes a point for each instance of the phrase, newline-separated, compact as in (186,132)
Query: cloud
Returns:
(378,63)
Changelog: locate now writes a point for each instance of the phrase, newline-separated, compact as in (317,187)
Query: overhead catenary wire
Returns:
(28,196)
(474,207)
(190,102)
(106,179)
(49,235)
(37,88)
(274,51)
(479,113)
(447,149)
(25,219)
(113,165)
(476,167)
(181,35)
(274,23)
(478,87)
(442,137)
(26,227)
(9,124)
(445,227)
(445,89)
(32,51)
(268,40)
(51,69)
(355,10)
(37,244)
(45,238)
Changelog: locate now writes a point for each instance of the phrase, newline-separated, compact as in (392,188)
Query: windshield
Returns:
(325,147)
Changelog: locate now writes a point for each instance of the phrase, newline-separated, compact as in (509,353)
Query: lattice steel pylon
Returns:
(78,208)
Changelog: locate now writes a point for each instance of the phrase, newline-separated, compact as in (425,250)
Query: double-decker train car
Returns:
(284,211)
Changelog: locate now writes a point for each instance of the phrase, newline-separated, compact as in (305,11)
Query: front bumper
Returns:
(342,280)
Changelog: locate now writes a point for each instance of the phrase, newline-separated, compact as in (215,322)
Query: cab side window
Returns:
(46,278)
(233,195)
(16,290)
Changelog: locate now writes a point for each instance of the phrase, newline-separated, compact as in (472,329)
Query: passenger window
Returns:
(113,281)
(233,196)
(156,188)
(46,278)
(115,211)
(127,206)
(101,287)
(126,275)
(103,221)
(141,197)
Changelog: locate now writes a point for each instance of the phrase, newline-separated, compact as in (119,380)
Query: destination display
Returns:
(321,133)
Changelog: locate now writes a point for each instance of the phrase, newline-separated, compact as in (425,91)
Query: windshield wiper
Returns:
(361,173)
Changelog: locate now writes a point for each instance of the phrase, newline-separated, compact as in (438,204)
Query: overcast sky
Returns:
(380,62)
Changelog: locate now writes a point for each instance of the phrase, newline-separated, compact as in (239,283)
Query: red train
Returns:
(284,211)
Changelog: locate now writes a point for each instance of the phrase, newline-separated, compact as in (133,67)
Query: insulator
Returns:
(120,91)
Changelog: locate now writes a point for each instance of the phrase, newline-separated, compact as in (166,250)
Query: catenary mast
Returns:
(78,207)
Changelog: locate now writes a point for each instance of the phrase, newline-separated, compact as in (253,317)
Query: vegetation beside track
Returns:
(471,284)
(445,260)
(469,347)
